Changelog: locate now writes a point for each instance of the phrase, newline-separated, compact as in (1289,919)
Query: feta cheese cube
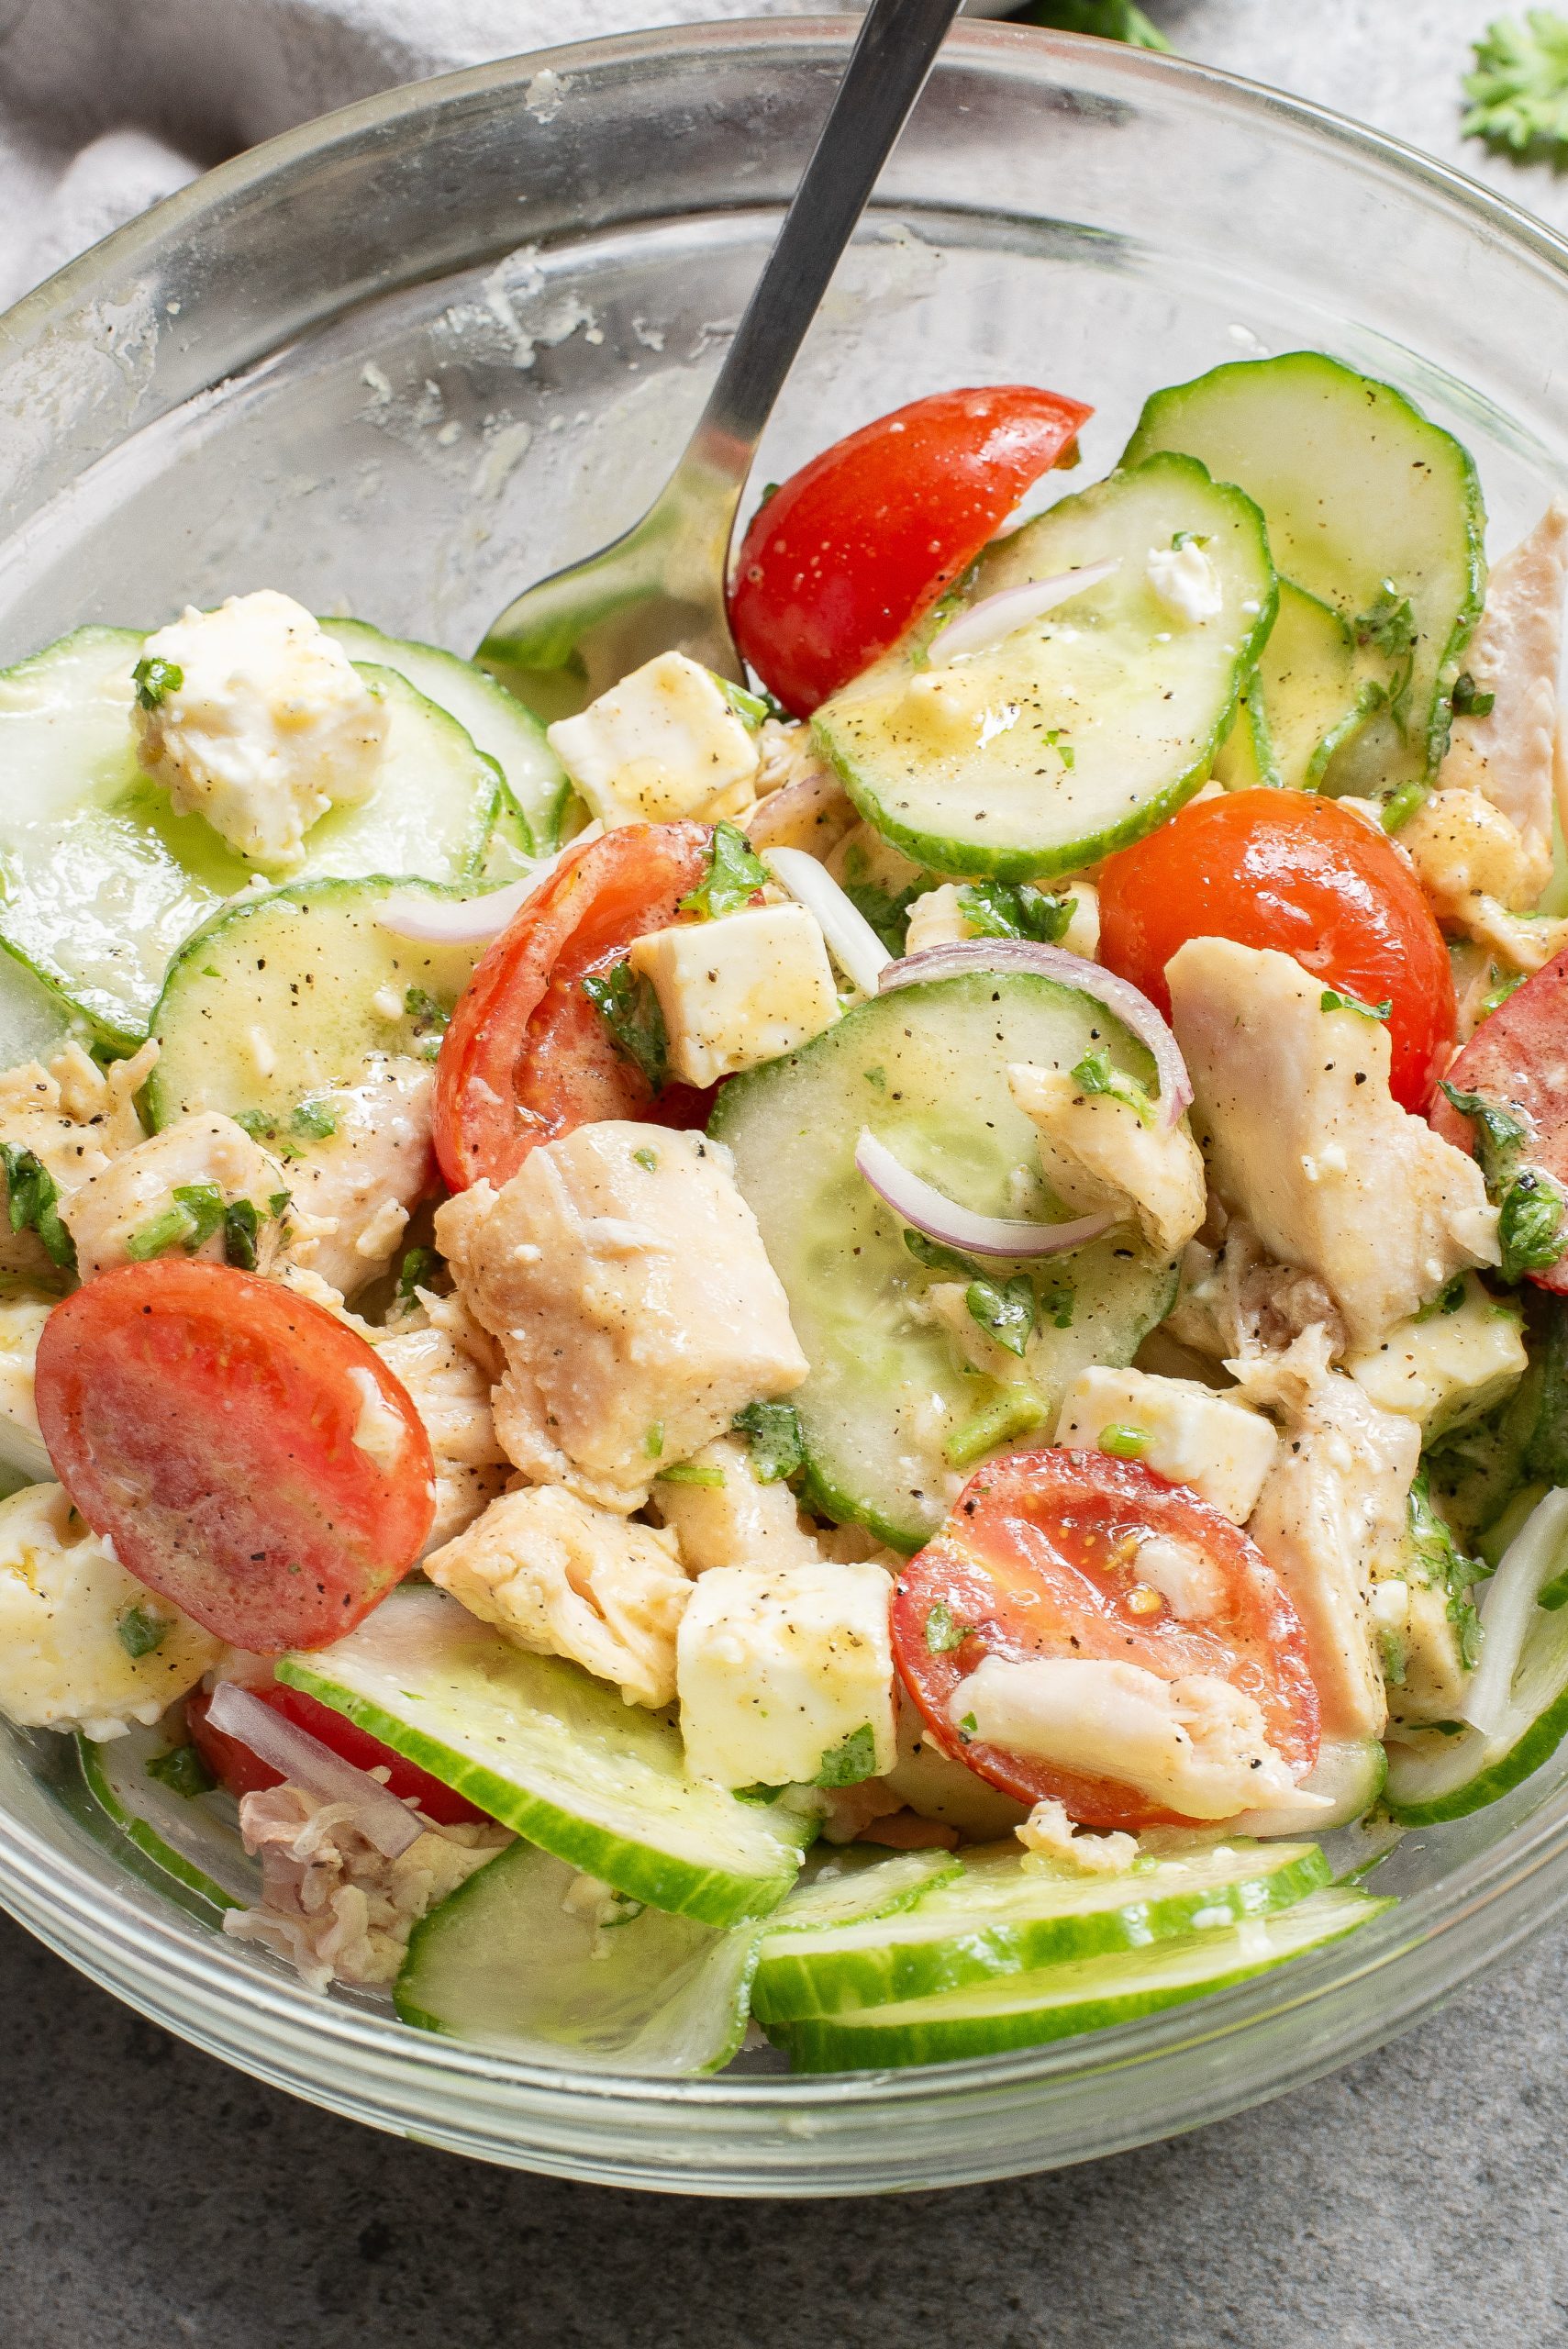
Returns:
(1223,1450)
(257,721)
(739,991)
(778,1669)
(1450,1367)
(666,743)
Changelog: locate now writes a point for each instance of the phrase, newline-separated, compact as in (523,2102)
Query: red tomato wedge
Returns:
(526,1057)
(1036,1560)
(1308,877)
(240,1772)
(207,1420)
(861,541)
(1518,1059)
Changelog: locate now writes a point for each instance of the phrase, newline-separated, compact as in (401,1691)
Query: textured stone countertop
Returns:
(149,2197)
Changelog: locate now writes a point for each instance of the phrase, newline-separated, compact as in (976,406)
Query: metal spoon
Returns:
(661,587)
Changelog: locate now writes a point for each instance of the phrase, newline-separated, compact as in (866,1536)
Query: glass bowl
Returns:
(406,359)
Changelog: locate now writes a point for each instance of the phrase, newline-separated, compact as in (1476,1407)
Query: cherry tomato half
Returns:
(526,1057)
(856,545)
(1517,1060)
(1038,1559)
(251,1457)
(240,1772)
(1286,870)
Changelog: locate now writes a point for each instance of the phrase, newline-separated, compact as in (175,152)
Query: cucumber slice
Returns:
(1351,1771)
(556,1756)
(304,984)
(1060,2001)
(33,1020)
(184,1836)
(101,883)
(1082,730)
(1314,689)
(1008,1914)
(1358,489)
(503,1963)
(889,1413)
(845,1883)
(1519,1690)
(495,721)
(1245,759)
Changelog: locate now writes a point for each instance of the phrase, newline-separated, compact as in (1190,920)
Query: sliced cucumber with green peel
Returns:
(1314,689)
(557,1755)
(495,721)
(1350,1771)
(1367,502)
(285,995)
(1084,729)
(847,1883)
(181,1835)
(892,1418)
(101,884)
(1060,2001)
(33,1020)
(505,1963)
(1519,1689)
(1008,1913)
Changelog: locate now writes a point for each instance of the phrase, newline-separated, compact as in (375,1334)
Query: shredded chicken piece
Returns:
(1507,755)
(450,1391)
(732,1519)
(108,1213)
(1097,1151)
(1477,872)
(332,1905)
(1238,1300)
(352,1193)
(1048,1834)
(76,1119)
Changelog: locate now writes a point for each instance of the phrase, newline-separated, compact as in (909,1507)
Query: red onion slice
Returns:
(921,1204)
(853,944)
(987,623)
(1129,1004)
(306,1762)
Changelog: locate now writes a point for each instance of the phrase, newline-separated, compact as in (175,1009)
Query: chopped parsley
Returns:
(33,1201)
(1125,1442)
(635,1024)
(776,1438)
(1553,1595)
(1004,1310)
(653,1441)
(938,1258)
(1056,741)
(155,678)
(749,708)
(1058,1304)
(849,1763)
(1530,1203)
(647,1159)
(1095,1075)
(194,1212)
(1468,699)
(758,1793)
(878,1077)
(691,1471)
(1389,627)
(277,1204)
(1448,1299)
(430,1020)
(1332,999)
(1444,1567)
(240,1226)
(413,1273)
(887,914)
(183,1771)
(313,1122)
(943,1633)
(1496,996)
(969,1727)
(1014,909)
(735,873)
(141,1630)
(1519,89)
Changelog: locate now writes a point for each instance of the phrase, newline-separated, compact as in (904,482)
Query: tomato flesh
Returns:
(240,1772)
(204,1419)
(526,1057)
(1518,1059)
(1285,870)
(1038,1559)
(853,548)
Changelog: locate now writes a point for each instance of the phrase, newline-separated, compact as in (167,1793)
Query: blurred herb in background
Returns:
(1518,90)
(1111,19)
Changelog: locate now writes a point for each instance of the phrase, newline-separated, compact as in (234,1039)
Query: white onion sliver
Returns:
(1507,1611)
(927,1209)
(306,1762)
(463,922)
(989,622)
(853,944)
(1129,1003)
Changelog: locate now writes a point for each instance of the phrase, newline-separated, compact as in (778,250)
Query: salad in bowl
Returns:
(876,1359)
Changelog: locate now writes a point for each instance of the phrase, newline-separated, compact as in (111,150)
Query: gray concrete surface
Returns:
(149,2199)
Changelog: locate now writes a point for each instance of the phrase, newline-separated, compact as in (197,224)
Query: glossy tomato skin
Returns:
(1518,1058)
(204,1419)
(853,548)
(1036,1561)
(526,1057)
(1306,876)
(240,1772)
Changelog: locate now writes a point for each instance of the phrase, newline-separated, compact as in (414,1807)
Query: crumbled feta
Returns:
(737,992)
(777,1668)
(1187,581)
(1222,1449)
(258,722)
(666,743)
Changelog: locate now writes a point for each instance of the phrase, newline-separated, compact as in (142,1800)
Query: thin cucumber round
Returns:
(1008,1913)
(505,1963)
(181,1835)
(1060,2001)
(1314,689)
(556,1756)
(1367,502)
(1350,1771)
(845,1883)
(1084,729)
(894,1418)
(1520,1691)
(495,721)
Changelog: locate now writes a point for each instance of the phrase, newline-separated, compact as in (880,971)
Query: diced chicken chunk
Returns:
(353,1190)
(722,1516)
(563,1578)
(1515,656)
(1305,1140)
(83,1645)
(739,991)
(1097,1151)
(1449,1365)
(1474,867)
(664,743)
(255,718)
(449,1385)
(1333,1518)
(1221,1448)
(133,1209)
(1197,1744)
(626,1279)
(785,1676)
(75,1118)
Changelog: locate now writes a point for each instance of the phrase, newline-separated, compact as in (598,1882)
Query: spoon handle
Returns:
(892,57)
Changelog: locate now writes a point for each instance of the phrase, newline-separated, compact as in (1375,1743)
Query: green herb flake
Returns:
(33,1202)
(758,1793)
(749,707)
(1553,1595)
(776,1438)
(938,1258)
(240,1226)
(169,1230)
(735,873)
(313,1122)
(630,1009)
(142,1630)
(413,1273)
(426,1014)
(1004,1310)
(653,1441)
(154,679)
(647,1159)
(183,1771)
(693,1471)
(1441,1564)
(1468,699)
(1332,999)
(878,1078)
(1508,984)
(1095,1073)
(1519,89)
(1057,740)
(1014,909)
(1530,1224)
(943,1633)
(1389,627)
(1058,1304)
(969,1727)
(277,1204)
(887,914)
(849,1763)
(1124,1442)
(1448,1299)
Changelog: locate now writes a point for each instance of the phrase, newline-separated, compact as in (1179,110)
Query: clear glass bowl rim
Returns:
(1347,1997)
